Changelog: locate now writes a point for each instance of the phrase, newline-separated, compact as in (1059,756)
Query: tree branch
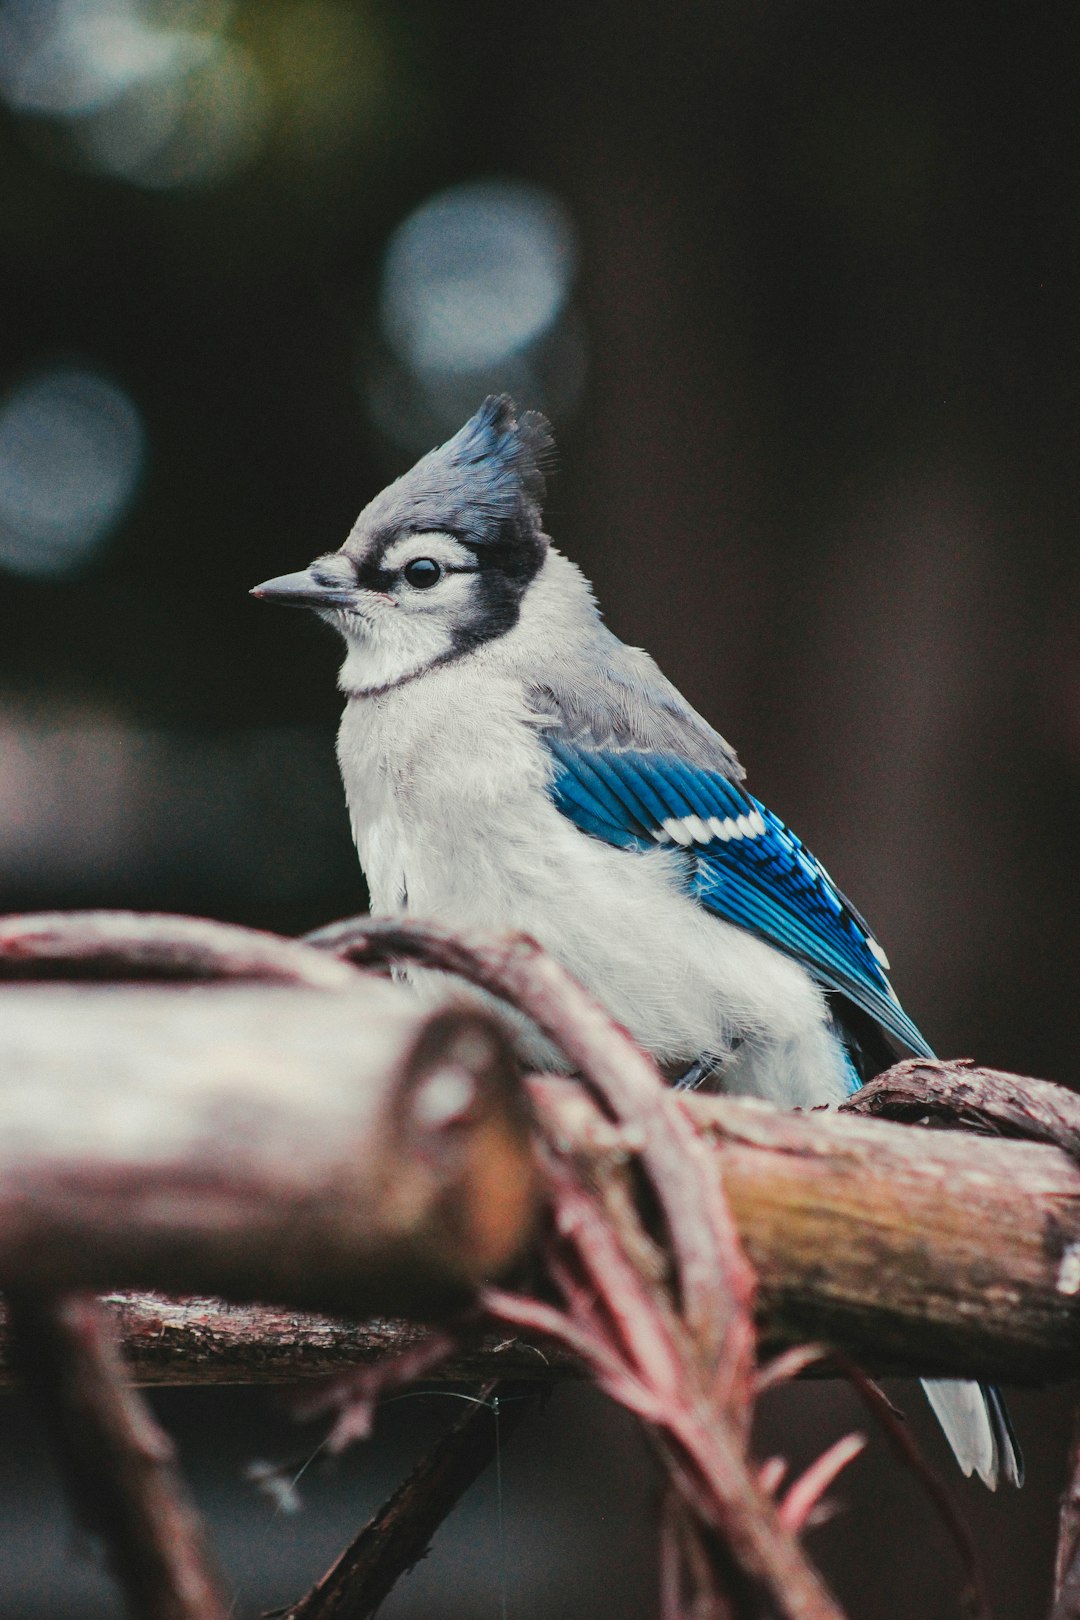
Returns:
(118,1464)
(962,1094)
(914,1251)
(342,1152)
(361,1157)
(156,945)
(399,1534)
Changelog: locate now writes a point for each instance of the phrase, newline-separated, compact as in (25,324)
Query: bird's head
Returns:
(437,563)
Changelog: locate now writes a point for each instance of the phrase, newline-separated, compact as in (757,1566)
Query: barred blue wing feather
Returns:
(742,864)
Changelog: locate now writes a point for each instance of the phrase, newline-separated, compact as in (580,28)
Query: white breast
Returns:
(436,774)
(446,779)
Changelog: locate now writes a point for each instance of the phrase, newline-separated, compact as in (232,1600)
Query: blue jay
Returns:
(509,763)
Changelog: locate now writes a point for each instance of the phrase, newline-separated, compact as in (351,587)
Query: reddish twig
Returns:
(133,945)
(632,1314)
(117,1463)
(974,1601)
(805,1495)
(1066,1603)
(787,1365)
(703,1451)
(707,1465)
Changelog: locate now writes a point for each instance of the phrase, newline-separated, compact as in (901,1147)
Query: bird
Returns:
(508,762)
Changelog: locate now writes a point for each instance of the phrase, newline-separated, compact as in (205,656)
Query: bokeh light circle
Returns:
(475,275)
(72,447)
(151,94)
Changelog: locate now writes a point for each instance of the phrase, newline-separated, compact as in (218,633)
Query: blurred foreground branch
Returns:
(338,1152)
(321,1143)
(119,1466)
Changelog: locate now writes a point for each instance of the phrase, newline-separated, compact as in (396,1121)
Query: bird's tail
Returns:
(973,1416)
(977,1427)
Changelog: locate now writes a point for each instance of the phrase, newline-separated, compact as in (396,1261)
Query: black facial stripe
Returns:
(370,574)
(494,609)
(512,543)
(370,577)
(505,562)
(514,552)
(505,567)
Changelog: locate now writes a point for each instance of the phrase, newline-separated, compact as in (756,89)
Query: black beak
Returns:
(304,590)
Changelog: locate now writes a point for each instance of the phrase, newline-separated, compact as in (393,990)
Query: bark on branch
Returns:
(340,1152)
(913,1251)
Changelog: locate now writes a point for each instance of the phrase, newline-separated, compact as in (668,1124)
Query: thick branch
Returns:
(265,1143)
(913,1250)
(342,1152)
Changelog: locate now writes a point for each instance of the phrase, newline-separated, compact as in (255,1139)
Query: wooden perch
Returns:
(343,1151)
(913,1250)
(286,1144)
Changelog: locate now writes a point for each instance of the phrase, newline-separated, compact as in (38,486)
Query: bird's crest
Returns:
(485,484)
(504,447)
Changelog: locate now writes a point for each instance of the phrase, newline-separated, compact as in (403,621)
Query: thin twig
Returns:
(1066,1604)
(399,1534)
(788,1365)
(974,1601)
(117,1463)
(805,1494)
(157,945)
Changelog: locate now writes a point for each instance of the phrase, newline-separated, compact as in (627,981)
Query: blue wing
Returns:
(743,864)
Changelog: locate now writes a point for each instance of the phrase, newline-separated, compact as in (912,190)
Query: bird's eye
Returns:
(423,573)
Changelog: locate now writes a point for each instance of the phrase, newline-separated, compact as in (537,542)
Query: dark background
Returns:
(812,355)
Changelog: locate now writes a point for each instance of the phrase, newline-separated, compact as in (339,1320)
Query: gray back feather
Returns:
(614,696)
